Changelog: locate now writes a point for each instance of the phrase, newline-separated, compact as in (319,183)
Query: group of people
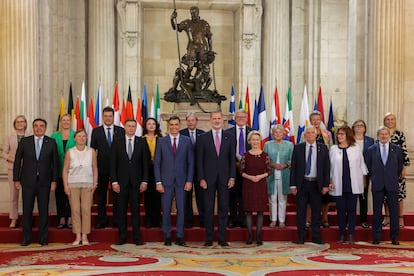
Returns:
(231,165)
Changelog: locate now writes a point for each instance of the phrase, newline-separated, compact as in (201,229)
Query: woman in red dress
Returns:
(254,168)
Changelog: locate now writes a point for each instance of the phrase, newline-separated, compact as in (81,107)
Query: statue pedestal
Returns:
(203,114)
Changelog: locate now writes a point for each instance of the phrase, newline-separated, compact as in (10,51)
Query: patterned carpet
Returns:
(273,258)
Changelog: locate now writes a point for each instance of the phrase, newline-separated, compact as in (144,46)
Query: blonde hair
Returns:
(253,132)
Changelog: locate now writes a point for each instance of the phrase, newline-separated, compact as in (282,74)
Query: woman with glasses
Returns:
(347,176)
(360,128)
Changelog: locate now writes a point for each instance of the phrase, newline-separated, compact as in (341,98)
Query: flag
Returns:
(315,105)
(83,114)
(157,105)
(303,115)
(77,122)
(320,105)
(138,132)
(61,112)
(115,105)
(90,121)
(144,104)
(240,104)
(232,110)
(98,111)
(288,119)
(247,106)
(255,123)
(129,112)
(152,109)
(263,123)
(274,113)
(331,127)
(70,100)
(123,115)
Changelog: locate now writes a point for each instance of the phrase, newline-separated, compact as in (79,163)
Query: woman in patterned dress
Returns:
(255,168)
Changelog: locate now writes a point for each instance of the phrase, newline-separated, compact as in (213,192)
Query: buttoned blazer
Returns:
(385,176)
(99,142)
(126,171)
(209,165)
(170,168)
(298,165)
(27,169)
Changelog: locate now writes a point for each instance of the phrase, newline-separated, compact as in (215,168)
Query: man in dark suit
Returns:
(129,177)
(309,179)
(35,170)
(240,132)
(173,170)
(101,140)
(216,154)
(385,164)
(193,132)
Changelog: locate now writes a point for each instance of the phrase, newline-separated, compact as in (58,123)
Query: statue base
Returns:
(193,97)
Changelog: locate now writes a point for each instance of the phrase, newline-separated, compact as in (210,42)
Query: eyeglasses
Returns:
(241,117)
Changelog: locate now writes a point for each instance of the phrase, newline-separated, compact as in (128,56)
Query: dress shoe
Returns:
(167,242)
(351,239)
(101,225)
(208,243)
(325,224)
(341,239)
(231,224)
(61,226)
(138,243)
(308,224)
(26,242)
(43,243)
(223,243)
(365,225)
(69,226)
(85,242)
(395,242)
(375,241)
(120,242)
(259,242)
(77,242)
(318,241)
(300,241)
(282,225)
(180,242)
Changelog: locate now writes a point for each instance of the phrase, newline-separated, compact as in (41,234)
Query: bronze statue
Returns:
(193,74)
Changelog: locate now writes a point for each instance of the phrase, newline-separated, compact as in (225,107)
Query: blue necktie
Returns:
(309,161)
(384,155)
(241,142)
(109,137)
(37,148)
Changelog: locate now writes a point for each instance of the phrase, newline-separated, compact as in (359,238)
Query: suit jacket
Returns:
(168,168)
(298,165)
(99,142)
(233,131)
(209,165)
(124,170)
(385,176)
(27,169)
(10,147)
(186,132)
(61,150)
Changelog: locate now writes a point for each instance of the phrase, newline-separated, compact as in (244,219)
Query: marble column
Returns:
(101,48)
(386,60)
(20,63)
(276,48)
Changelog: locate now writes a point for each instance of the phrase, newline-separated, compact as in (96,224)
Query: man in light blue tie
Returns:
(385,164)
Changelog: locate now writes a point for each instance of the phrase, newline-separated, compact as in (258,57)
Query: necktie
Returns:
(192,137)
(109,136)
(175,146)
(384,155)
(241,142)
(217,142)
(129,149)
(37,148)
(309,161)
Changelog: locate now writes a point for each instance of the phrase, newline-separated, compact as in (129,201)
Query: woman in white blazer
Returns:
(347,176)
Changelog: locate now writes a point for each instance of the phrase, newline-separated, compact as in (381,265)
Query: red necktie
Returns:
(217,142)
(175,146)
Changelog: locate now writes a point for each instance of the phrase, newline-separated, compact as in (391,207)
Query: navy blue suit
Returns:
(385,183)
(363,198)
(35,177)
(309,191)
(173,171)
(216,171)
(189,212)
(237,216)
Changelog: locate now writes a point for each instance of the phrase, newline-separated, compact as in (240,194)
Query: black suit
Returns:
(237,216)
(216,171)
(189,212)
(35,177)
(129,173)
(309,191)
(103,153)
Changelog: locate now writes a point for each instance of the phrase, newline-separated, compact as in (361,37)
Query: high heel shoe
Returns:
(386,221)
(76,242)
(13,224)
(85,242)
